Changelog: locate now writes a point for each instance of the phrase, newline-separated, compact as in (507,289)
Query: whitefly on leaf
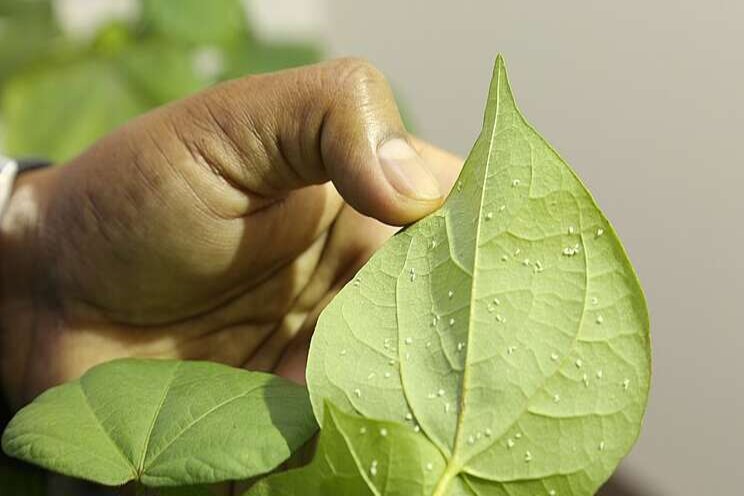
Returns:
(521,348)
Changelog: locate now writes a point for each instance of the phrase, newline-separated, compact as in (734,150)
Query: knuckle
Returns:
(358,76)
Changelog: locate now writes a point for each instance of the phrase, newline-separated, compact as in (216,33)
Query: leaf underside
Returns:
(508,327)
(163,423)
(361,457)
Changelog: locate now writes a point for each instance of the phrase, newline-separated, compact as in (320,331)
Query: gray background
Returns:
(645,99)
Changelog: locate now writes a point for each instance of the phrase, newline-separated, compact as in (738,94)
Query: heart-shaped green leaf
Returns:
(163,423)
(358,456)
(509,326)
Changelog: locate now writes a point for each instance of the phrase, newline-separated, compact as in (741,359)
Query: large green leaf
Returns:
(509,324)
(163,423)
(195,21)
(358,456)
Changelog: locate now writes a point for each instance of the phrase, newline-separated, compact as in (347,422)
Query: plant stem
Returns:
(444,481)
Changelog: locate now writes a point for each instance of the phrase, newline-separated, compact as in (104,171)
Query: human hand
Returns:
(208,228)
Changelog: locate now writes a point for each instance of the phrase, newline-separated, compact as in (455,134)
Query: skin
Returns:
(214,228)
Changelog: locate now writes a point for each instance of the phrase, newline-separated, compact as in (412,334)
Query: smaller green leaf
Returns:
(163,423)
(195,21)
(361,457)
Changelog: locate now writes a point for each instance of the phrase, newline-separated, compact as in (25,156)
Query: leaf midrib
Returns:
(99,424)
(155,417)
(453,466)
(476,246)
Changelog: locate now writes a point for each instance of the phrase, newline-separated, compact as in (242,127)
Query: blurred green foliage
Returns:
(58,93)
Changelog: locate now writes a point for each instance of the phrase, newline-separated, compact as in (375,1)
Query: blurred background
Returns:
(644,99)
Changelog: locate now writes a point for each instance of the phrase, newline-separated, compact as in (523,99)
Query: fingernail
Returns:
(406,172)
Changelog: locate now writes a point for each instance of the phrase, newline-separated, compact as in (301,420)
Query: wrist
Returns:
(21,273)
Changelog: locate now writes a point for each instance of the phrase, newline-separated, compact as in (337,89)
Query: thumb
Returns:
(334,121)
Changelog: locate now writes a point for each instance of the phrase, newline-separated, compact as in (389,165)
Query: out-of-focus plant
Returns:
(59,93)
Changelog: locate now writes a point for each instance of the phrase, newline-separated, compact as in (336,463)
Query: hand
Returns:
(207,229)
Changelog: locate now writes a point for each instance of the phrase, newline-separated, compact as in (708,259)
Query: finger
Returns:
(334,121)
(444,165)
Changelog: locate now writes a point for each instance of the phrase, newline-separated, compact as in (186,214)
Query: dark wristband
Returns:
(28,164)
